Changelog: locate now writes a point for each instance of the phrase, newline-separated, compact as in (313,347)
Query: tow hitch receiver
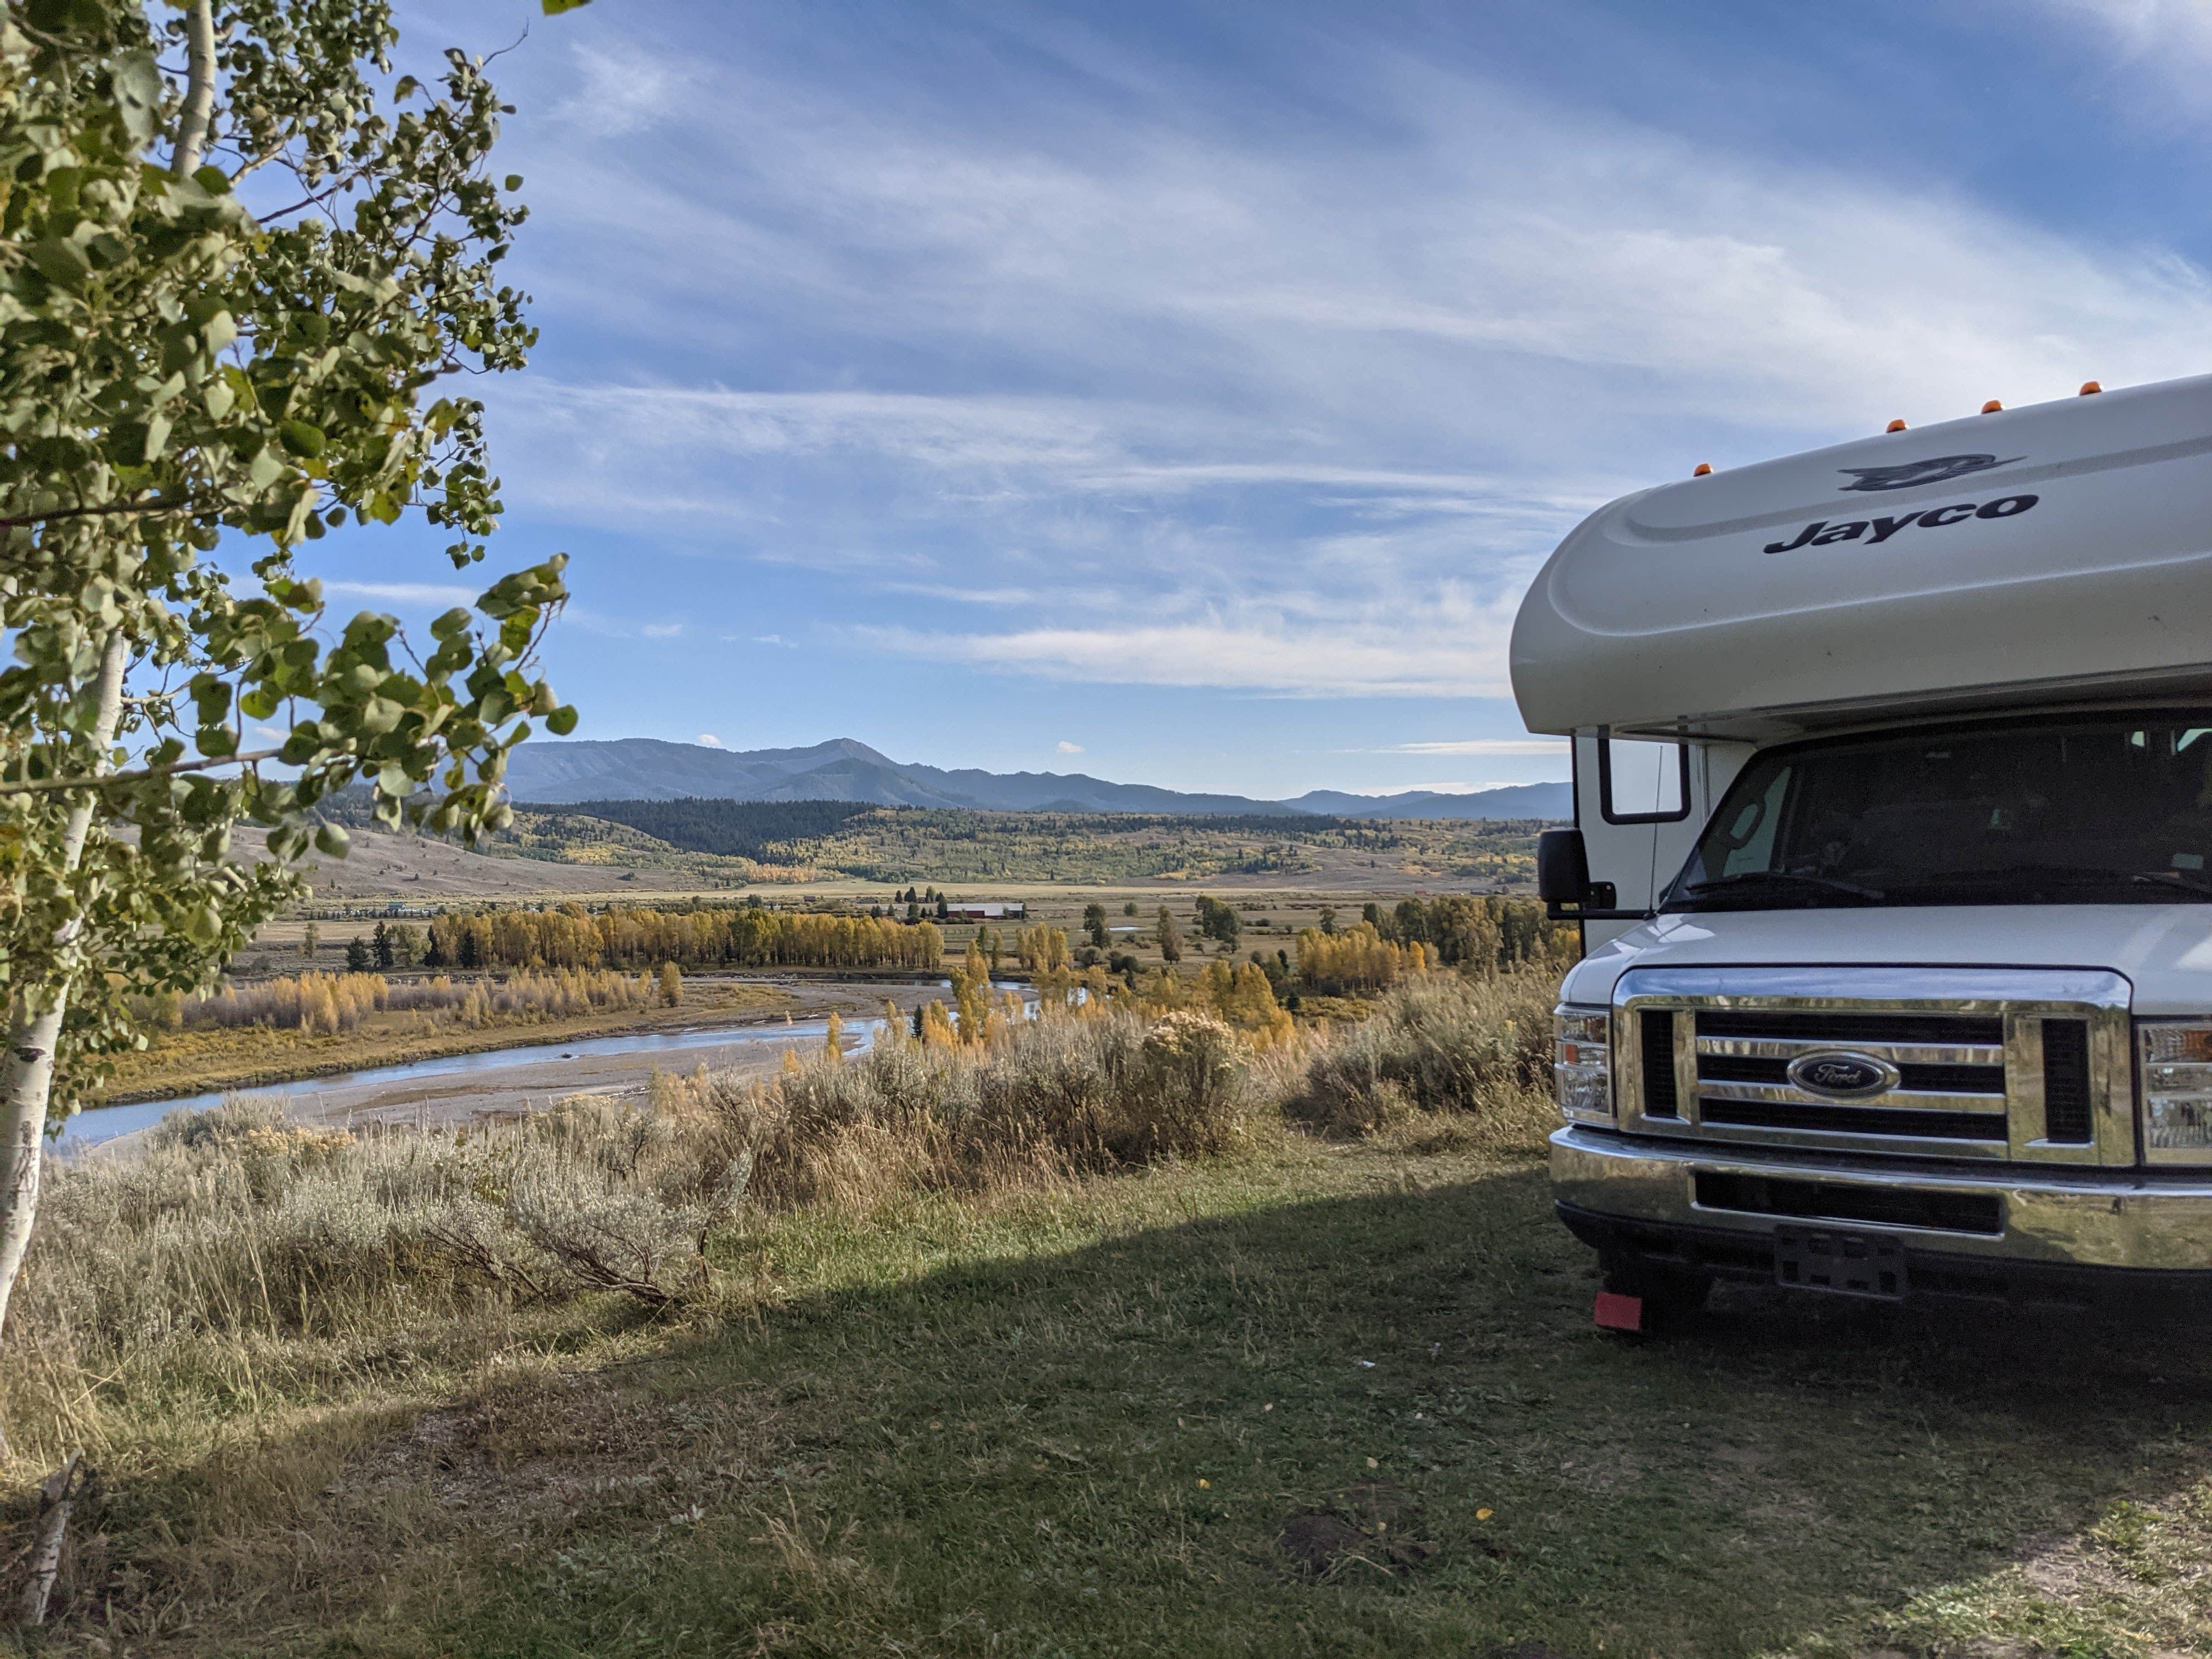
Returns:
(1615,1312)
(1840,1263)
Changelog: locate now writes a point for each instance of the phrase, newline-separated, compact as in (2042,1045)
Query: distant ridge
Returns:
(649,769)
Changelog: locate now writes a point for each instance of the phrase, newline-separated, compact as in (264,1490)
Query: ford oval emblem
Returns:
(1843,1076)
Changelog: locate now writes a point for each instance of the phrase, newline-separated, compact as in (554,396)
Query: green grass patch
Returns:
(1318,1401)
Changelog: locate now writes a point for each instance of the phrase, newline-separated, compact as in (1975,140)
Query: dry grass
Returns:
(1439,1043)
(232,1320)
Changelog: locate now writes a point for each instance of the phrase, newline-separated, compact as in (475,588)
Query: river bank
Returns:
(262,1057)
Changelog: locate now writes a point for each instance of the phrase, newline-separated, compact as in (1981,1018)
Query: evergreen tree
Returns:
(307,941)
(1094,923)
(358,958)
(379,945)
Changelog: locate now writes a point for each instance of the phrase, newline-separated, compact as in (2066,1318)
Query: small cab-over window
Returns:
(1642,782)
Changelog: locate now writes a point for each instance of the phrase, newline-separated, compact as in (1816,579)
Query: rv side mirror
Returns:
(1562,868)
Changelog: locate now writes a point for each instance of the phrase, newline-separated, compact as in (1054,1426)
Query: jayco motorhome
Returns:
(1893,854)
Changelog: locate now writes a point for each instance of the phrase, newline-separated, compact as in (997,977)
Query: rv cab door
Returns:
(1639,806)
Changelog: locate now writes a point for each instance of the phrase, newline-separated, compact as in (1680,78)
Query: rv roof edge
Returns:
(1891,576)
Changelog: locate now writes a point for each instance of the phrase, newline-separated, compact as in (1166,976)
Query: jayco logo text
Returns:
(1874,531)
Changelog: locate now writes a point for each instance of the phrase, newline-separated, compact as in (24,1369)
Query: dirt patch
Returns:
(1316,1542)
(1374,1523)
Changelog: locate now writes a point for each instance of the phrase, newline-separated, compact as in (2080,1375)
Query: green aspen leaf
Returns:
(561,721)
(136,81)
(60,261)
(302,438)
(555,8)
(332,840)
(157,436)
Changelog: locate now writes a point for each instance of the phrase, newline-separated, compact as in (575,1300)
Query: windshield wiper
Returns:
(1744,879)
(2180,878)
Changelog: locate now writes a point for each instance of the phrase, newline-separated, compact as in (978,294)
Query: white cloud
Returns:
(1216,409)
(662,631)
(624,90)
(2165,43)
(1361,659)
(1066,748)
(709,740)
(405,593)
(1478,746)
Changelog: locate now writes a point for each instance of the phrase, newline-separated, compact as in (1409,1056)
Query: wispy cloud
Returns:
(404,592)
(1065,747)
(709,740)
(1213,404)
(1367,660)
(1479,746)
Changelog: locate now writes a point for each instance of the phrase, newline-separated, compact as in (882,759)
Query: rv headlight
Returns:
(1581,1063)
(2176,1085)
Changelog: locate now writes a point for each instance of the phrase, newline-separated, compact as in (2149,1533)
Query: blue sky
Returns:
(1186,394)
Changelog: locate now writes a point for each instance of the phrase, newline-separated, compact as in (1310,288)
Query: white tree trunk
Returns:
(34,1022)
(199,87)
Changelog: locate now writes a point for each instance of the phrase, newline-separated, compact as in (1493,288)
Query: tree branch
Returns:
(11,786)
(21,519)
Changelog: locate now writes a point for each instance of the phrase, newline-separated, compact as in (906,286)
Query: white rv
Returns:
(1894,852)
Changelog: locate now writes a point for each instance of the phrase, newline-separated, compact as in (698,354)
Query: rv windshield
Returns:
(2114,809)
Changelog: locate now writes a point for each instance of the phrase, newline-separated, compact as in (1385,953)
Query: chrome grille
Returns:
(1951,1062)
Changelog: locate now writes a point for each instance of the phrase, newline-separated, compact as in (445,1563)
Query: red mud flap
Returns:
(1615,1312)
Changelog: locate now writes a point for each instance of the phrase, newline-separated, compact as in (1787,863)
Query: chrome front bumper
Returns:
(2151,1219)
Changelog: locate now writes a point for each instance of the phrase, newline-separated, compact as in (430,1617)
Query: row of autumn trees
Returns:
(746,936)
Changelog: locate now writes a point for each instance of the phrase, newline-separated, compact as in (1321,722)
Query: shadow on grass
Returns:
(1099,1447)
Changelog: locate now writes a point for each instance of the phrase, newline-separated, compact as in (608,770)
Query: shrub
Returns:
(1438,1043)
(1054,1096)
(236,1228)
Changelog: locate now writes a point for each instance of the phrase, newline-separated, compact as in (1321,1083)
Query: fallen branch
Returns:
(58,1495)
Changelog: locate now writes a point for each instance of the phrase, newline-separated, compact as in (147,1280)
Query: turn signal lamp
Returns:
(2176,1087)
(1992,407)
(1895,426)
(2089,388)
(1702,468)
(1581,1063)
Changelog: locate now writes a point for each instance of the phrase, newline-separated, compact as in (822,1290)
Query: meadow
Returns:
(1113,1332)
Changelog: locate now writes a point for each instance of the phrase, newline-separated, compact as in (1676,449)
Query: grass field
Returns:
(1323,1401)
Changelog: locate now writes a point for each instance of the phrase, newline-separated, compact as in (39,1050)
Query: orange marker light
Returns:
(1992,407)
(1704,467)
(2089,389)
(1895,426)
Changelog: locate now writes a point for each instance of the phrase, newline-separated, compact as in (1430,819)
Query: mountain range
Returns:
(647,769)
